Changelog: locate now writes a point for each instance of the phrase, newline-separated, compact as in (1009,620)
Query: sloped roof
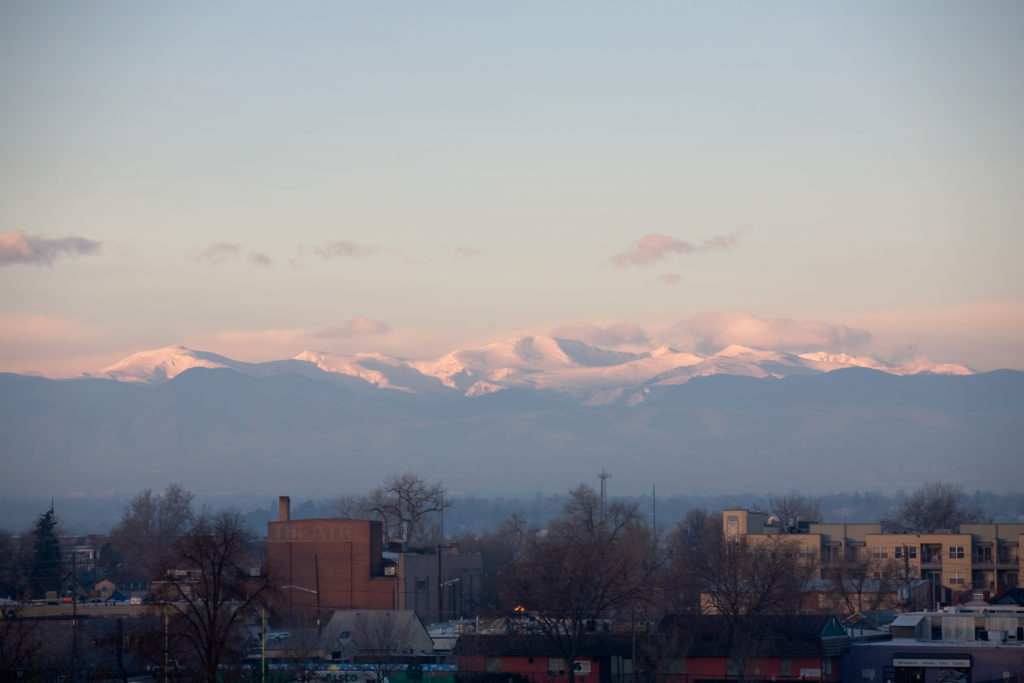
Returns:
(352,626)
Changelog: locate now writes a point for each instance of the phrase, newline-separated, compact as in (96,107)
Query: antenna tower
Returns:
(604,476)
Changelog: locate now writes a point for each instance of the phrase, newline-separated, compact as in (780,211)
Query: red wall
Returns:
(345,553)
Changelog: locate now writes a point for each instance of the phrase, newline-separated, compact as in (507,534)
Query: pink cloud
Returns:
(467,252)
(344,248)
(16,246)
(654,247)
(358,326)
(219,252)
(983,335)
(711,332)
(669,278)
(618,334)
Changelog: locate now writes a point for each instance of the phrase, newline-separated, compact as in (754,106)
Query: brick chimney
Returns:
(284,509)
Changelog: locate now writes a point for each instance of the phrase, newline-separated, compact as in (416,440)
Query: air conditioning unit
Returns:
(389,570)
(581,667)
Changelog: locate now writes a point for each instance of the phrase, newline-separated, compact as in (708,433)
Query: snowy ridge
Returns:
(593,374)
(162,364)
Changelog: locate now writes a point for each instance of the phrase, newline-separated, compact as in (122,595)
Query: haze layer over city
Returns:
(272,249)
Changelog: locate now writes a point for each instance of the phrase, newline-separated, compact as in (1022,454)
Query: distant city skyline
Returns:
(259,179)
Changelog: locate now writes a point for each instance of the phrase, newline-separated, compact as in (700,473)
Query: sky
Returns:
(256,179)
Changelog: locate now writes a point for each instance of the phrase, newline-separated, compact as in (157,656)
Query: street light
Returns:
(317,594)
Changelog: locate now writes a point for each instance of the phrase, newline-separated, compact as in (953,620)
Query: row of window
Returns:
(881,552)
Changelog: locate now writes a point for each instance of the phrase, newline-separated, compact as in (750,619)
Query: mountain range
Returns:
(524,415)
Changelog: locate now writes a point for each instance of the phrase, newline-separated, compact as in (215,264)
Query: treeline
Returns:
(467,514)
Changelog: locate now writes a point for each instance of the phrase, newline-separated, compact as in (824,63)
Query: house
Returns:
(356,636)
(681,649)
(126,586)
(783,647)
(368,635)
(602,658)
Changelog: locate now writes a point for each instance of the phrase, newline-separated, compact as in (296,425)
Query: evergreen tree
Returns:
(46,565)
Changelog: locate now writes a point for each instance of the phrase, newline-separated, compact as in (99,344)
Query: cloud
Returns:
(669,278)
(356,327)
(16,246)
(654,247)
(985,335)
(467,252)
(344,248)
(618,334)
(219,252)
(711,332)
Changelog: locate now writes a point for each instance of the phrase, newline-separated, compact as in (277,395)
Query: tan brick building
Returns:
(983,558)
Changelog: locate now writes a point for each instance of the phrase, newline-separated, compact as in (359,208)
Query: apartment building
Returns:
(981,558)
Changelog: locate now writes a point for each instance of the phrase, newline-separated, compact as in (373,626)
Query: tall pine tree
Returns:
(46,565)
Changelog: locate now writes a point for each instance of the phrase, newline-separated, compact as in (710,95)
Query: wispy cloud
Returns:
(220,252)
(467,252)
(358,326)
(711,332)
(344,248)
(669,278)
(17,246)
(618,334)
(654,247)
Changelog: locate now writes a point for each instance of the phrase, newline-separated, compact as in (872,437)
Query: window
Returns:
(956,552)
(421,584)
(957,579)
(785,667)
(675,666)
(732,527)
(556,667)
(880,552)
(805,551)
(492,665)
(906,551)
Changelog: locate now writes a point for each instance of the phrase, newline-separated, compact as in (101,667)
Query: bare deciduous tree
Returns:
(740,580)
(21,646)
(377,636)
(936,505)
(150,528)
(793,508)
(407,504)
(591,565)
(858,582)
(210,592)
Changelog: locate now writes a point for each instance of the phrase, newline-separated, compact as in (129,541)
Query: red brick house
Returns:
(683,649)
(603,658)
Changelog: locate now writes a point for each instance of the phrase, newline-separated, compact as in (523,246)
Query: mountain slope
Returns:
(219,430)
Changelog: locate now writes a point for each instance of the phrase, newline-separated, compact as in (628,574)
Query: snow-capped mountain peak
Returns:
(157,365)
(538,362)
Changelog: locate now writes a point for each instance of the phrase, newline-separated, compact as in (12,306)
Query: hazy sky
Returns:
(255,179)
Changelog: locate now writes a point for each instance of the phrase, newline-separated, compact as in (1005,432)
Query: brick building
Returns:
(323,565)
(983,558)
